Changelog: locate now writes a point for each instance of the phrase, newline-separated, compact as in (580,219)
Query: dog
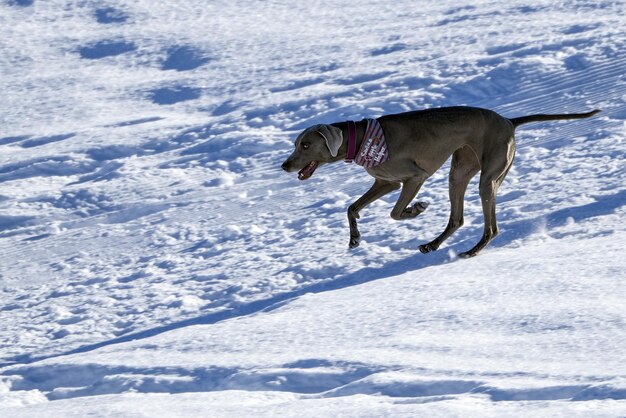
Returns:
(415,145)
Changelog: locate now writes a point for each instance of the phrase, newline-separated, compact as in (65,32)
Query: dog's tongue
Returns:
(307,171)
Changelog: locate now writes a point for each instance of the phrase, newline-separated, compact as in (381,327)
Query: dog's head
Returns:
(315,146)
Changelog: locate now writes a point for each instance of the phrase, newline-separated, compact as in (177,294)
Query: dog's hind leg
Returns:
(494,169)
(464,166)
(378,190)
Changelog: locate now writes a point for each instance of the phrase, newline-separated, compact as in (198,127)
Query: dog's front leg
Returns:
(402,210)
(378,190)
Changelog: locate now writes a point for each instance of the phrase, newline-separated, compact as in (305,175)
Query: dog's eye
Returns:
(306,146)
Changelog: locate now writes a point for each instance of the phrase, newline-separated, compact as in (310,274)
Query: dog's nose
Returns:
(285,166)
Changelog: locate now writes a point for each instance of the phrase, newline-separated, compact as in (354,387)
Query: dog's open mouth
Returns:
(307,171)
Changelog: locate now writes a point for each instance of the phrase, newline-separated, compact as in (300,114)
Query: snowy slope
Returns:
(141,198)
(506,338)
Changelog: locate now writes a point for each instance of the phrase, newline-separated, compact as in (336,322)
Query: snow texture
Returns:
(156,260)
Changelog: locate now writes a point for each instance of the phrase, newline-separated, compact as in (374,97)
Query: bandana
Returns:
(373,149)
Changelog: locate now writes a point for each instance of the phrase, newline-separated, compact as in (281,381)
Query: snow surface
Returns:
(156,261)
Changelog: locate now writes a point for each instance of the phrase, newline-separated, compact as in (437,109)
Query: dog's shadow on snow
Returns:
(364,275)
(511,231)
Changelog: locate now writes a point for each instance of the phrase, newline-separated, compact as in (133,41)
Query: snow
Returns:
(156,261)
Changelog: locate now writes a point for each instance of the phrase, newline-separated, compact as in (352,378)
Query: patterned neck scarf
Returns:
(373,149)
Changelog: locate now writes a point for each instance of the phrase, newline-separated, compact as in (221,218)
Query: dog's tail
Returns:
(539,118)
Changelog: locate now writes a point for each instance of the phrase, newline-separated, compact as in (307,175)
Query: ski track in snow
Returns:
(141,192)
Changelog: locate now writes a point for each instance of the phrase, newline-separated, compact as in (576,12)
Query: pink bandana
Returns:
(373,150)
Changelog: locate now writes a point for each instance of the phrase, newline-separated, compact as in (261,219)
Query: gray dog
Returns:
(404,149)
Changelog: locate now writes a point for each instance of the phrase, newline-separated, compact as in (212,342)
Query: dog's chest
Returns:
(382,172)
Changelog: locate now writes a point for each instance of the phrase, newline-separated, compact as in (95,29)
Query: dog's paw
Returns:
(421,206)
(427,248)
(354,242)
(414,210)
(467,254)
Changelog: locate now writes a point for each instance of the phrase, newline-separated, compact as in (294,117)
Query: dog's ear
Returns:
(333,137)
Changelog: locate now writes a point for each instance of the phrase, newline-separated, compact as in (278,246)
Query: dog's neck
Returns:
(361,126)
